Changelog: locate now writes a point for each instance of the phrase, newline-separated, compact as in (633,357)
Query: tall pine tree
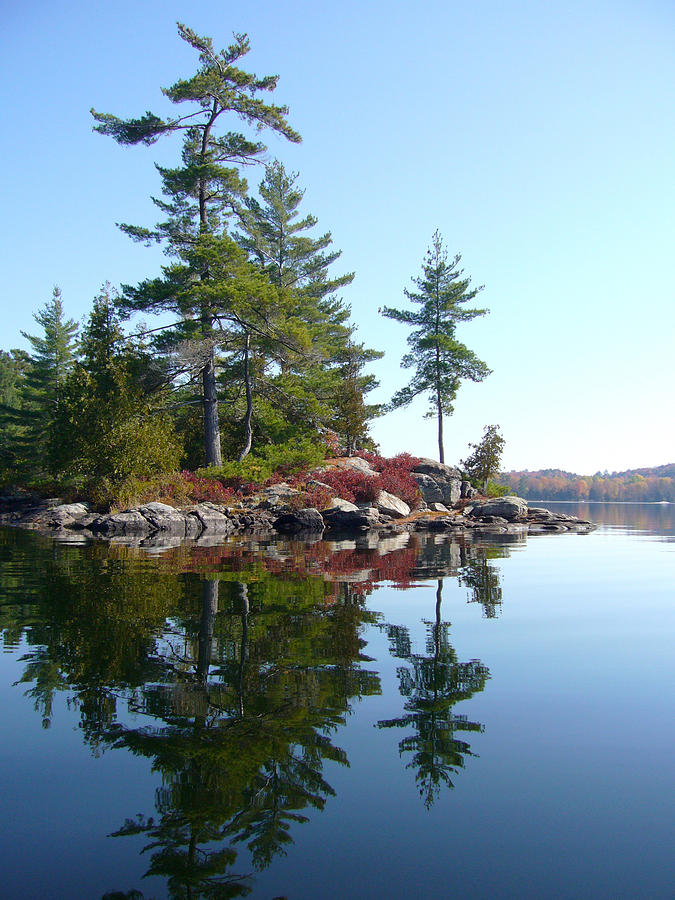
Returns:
(309,387)
(440,361)
(201,191)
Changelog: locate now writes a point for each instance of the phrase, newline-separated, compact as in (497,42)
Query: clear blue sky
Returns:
(537,137)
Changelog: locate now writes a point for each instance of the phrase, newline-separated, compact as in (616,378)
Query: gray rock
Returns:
(437,469)
(437,482)
(438,507)
(468,491)
(353,462)
(389,505)
(275,496)
(429,488)
(72,510)
(166,519)
(307,520)
(65,515)
(337,503)
(342,515)
(212,520)
(508,508)
(129,522)
(438,488)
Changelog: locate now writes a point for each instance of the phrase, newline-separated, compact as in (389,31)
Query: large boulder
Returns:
(437,482)
(168,520)
(65,515)
(302,520)
(350,462)
(212,519)
(129,522)
(508,508)
(342,515)
(468,492)
(389,505)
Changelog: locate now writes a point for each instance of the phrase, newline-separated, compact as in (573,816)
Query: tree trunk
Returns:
(241,590)
(206,625)
(248,432)
(211,427)
(212,450)
(439,406)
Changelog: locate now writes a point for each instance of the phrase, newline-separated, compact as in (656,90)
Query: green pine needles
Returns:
(440,361)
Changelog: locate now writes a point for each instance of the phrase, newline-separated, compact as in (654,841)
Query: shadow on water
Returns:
(232,668)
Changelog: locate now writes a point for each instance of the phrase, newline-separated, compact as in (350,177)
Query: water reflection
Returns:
(432,684)
(231,668)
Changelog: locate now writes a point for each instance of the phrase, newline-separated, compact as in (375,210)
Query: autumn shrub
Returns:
(315,496)
(202,490)
(352,485)
(394,475)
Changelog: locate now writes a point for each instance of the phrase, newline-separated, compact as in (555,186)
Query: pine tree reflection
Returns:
(483,581)
(433,684)
(241,739)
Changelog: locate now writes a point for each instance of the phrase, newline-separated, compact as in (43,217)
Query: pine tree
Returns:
(200,193)
(486,458)
(106,428)
(440,361)
(352,413)
(30,414)
(310,387)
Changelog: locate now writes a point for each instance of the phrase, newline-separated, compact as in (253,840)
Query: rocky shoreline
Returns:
(447,505)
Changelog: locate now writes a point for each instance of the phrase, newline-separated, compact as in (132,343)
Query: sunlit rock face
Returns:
(508,508)
(389,505)
(437,482)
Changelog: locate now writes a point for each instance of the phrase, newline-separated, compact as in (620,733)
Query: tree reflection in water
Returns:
(230,668)
(432,684)
(241,738)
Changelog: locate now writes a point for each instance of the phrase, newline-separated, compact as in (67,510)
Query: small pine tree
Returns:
(106,427)
(486,458)
(31,412)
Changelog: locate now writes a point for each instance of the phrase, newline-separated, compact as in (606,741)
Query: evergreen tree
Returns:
(13,365)
(200,192)
(105,427)
(351,413)
(31,410)
(486,458)
(440,361)
(432,684)
(309,385)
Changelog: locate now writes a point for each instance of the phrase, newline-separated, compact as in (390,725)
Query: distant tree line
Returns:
(648,485)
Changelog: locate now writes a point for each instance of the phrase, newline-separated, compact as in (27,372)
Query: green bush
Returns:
(274,462)
(497,490)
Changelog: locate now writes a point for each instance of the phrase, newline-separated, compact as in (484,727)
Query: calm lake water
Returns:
(423,717)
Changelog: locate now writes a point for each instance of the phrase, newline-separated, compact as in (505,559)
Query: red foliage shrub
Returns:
(400,484)
(395,475)
(351,484)
(318,497)
(207,489)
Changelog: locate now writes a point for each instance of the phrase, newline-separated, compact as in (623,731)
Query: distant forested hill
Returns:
(657,483)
